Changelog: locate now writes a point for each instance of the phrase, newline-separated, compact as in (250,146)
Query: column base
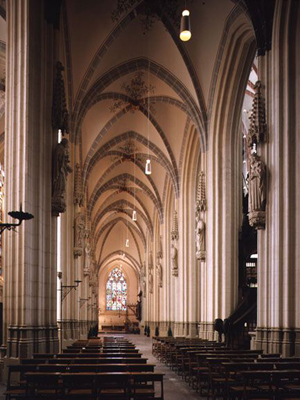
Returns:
(206,331)
(23,341)
(179,329)
(278,340)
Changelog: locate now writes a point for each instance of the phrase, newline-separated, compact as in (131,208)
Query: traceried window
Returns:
(116,291)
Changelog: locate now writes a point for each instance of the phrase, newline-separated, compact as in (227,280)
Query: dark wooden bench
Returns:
(92,386)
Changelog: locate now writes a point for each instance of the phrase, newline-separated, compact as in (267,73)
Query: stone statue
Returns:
(79,234)
(61,169)
(174,257)
(257,192)
(143,278)
(150,262)
(257,184)
(150,282)
(159,272)
(87,260)
(200,239)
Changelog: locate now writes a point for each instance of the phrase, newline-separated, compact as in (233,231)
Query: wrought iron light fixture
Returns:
(20,215)
(185,26)
(64,290)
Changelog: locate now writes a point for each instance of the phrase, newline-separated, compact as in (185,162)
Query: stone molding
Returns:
(278,340)
(23,341)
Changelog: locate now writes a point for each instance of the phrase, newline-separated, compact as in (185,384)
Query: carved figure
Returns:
(87,261)
(150,264)
(200,239)
(150,283)
(79,234)
(257,184)
(174,257)
(79,230)
(144,287)
(159,272)
(61,169)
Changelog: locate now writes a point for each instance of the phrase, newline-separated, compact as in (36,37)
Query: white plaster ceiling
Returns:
(101,62)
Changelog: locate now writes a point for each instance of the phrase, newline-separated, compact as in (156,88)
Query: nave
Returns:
(153,183)
(30,369)
(137,367)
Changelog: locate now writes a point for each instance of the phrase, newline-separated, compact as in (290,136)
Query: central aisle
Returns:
(174,387)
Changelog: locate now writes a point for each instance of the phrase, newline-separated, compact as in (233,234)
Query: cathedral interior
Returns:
(149,173)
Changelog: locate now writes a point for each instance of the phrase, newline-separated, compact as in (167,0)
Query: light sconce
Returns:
(148,167)
(127,243)
(185,26)
(20,215)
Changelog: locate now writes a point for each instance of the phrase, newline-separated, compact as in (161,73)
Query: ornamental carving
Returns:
(79,232)
(60,115)
(257,192)
(150,278)
(174,251)
(149,11)
(150,261)
(258,127)
(137,92)
(87,258)
(143,278)
(128,151)
(61,169)
(174,232)
(174,259)
(78,187)
(159,268)
(201,193)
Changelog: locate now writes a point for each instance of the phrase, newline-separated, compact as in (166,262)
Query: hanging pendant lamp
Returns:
(148,167)
(185,26)
(134,215)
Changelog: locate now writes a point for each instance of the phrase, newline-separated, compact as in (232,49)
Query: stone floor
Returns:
(174,387)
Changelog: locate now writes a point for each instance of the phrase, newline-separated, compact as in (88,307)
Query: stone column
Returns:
(29,261)
(219,278)
(278,327)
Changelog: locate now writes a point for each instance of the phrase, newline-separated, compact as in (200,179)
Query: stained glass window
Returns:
(116,291)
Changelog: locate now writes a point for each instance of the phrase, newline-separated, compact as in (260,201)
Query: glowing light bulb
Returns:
(134,215)
(185,26)
(148,167)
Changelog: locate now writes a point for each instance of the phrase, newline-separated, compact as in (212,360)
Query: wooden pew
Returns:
(43,385)
(98,355)
(90,385)
(86,360)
